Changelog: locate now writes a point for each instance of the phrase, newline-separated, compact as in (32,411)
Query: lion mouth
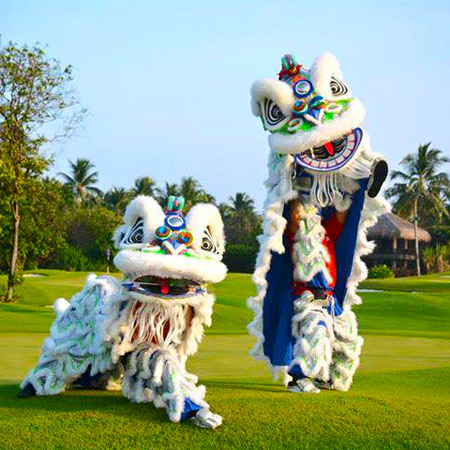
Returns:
(165,288)
(332,155)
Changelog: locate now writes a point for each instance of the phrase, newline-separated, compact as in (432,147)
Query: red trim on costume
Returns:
(333,228)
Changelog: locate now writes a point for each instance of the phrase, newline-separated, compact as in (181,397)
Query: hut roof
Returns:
(394,227)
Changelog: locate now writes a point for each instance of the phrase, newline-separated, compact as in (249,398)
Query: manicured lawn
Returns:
(400,397)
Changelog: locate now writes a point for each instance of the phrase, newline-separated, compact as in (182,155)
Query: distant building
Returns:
(395,245)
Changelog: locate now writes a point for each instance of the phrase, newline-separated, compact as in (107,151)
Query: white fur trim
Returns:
(76,339)
(170,266)
(60,305)
(313,348)
(159,375)
(319,135)
(202,216)
(309,254)
(346,350)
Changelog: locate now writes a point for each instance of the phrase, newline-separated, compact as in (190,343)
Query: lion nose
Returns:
(173,247)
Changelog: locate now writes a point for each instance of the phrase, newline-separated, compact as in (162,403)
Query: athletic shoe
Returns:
(206,419)
(323,384)
(27,391)
(303,385)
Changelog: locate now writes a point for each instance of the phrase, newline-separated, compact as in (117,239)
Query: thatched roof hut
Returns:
(395,243)
(390,226)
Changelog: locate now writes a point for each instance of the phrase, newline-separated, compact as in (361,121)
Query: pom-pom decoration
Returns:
(299,109)
(163,233)
(185,237)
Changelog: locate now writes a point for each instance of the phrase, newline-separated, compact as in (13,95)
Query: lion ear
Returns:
(205,223)
(145,210)
(328,79)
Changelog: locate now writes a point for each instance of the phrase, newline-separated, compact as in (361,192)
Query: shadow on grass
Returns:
(77,400)
(273,388)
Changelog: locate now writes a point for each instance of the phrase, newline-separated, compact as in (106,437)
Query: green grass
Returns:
(400,397)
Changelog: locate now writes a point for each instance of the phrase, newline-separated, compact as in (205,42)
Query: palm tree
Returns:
(421,189)
(193,192)
(144,186)
(240,218)
(241,202)
(117,198)
(164,193)
(82,179)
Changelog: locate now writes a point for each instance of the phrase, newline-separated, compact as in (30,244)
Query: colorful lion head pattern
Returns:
(310,113)
(164,255)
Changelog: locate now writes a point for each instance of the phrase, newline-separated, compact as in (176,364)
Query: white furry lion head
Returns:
(310,113)
(164,255)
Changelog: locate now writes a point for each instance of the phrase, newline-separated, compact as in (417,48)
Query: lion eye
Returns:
(337,87)
(136,234)
(272,113)
(208,244)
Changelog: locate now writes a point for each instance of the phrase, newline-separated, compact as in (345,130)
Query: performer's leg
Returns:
(56,370)
(158,375)
(346,350)
(313,331)
(109,381)
(379,173)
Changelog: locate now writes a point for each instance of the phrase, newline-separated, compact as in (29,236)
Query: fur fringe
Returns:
(157,375)
(129,319)
(346,350)
(313,350)
(327,348)
(309,254)
(76,339)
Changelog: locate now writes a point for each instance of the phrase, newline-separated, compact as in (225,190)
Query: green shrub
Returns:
(381,271)
(68,258)
(240,258)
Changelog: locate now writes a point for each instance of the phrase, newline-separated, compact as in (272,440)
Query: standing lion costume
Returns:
(139,331)
(323,180)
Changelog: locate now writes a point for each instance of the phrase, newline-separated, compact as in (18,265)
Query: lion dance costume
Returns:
(141,330)
(323,180)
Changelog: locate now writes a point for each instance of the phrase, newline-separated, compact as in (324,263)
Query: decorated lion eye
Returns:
(136,234)
(337,88)
(303,88)
(186,238)
(272,113)
(208,244)
(163,233)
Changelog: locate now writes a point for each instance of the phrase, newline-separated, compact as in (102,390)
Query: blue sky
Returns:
(167,83)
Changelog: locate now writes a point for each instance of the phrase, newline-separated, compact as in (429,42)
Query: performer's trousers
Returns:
(326,347)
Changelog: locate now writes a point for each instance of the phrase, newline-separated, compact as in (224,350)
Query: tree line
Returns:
(67,222)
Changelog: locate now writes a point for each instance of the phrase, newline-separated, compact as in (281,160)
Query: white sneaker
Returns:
(303,385)
(206,419)
(324,385)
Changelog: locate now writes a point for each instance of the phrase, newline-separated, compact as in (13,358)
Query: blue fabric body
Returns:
(190,409)
(278,307)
